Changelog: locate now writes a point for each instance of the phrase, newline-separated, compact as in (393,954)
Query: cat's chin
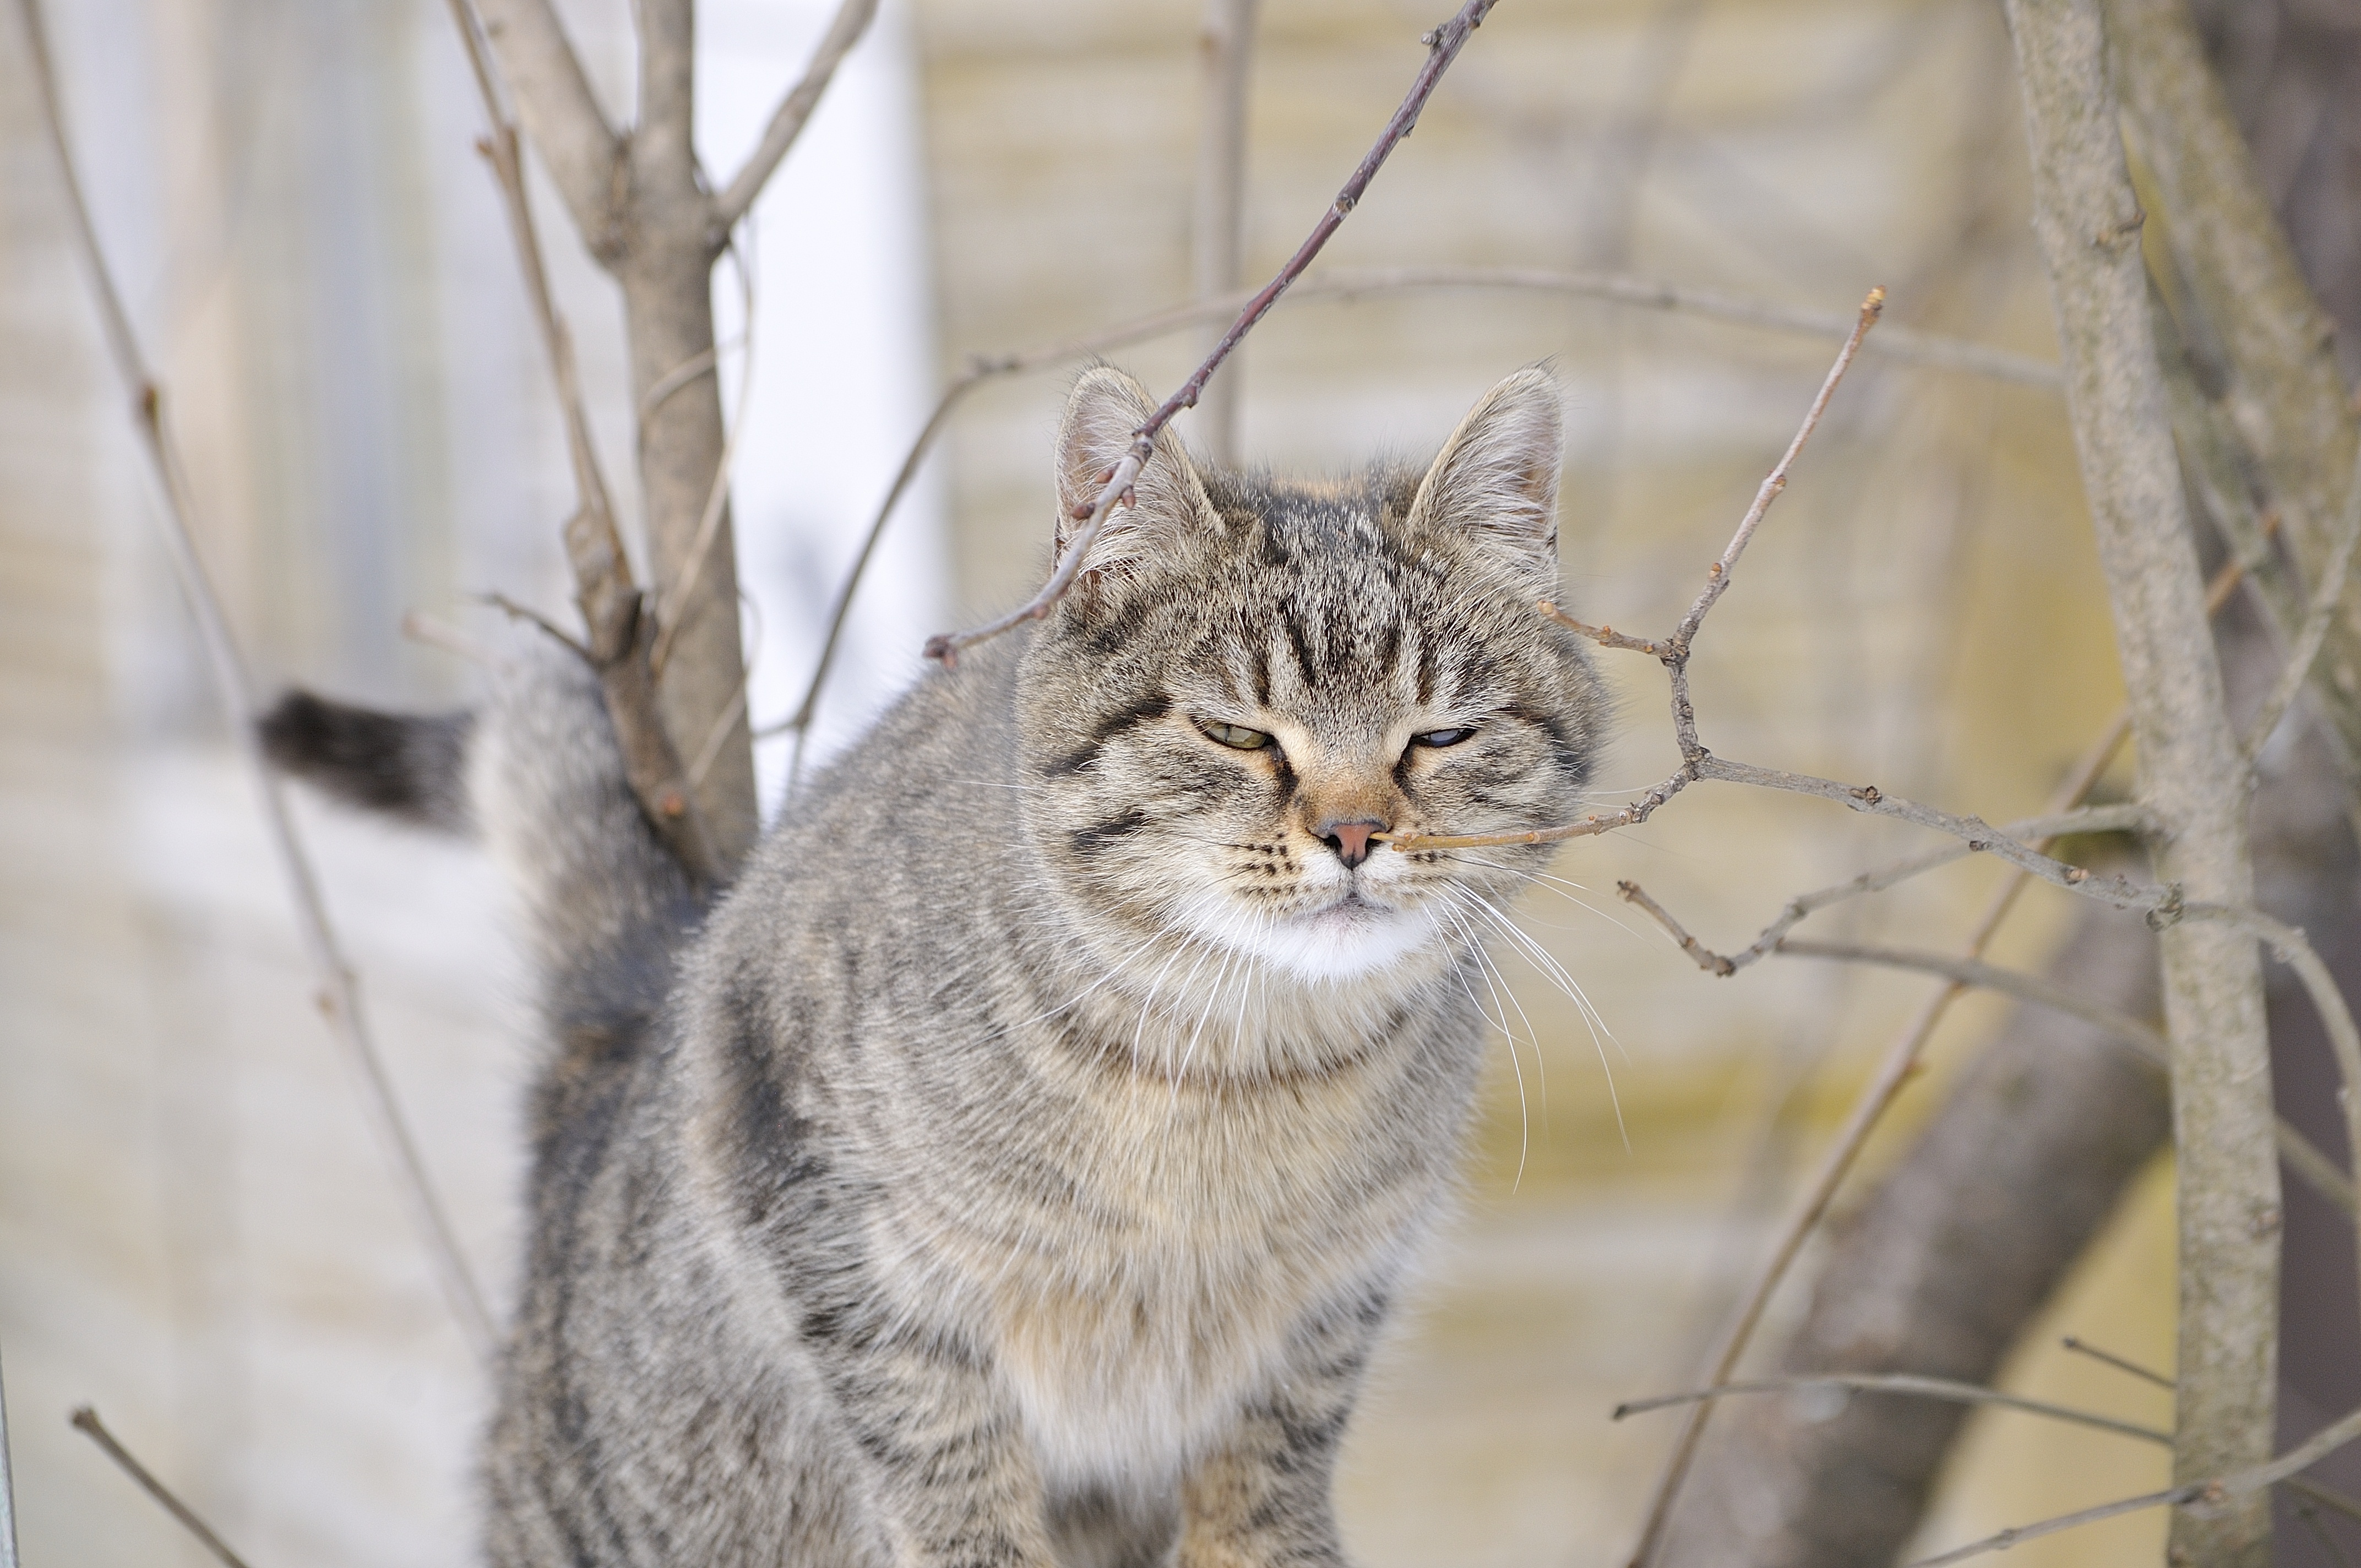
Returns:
(1346,941)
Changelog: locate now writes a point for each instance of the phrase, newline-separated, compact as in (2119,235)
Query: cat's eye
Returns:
(1236,735)
(1444,736)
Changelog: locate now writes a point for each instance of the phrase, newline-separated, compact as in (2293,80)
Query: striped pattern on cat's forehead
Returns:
(1333,601)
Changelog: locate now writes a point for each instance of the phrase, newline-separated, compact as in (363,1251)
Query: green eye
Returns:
(1236,735)
(1444,736)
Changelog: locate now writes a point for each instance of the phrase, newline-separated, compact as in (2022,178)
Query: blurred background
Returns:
(198,1234)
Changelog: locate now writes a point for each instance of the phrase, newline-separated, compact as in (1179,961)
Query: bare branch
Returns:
(1716,576)
(2025,987)
(2087,223)
(620,646)
(2089,819)
(1443,44)
(85,1421)
(1607,636)
(2015,1534)
(1898,1383)
(2204,1498)
(339,994)
(852,19)
(7,1491)
(560,112)
(2291,946)
(2082,1347)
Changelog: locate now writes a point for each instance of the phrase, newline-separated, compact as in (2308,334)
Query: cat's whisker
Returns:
(1524,1112)
(1599,1033)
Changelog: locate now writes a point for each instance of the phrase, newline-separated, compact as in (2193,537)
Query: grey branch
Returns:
(339,994)
(559,111)
(86,1421)
(2087,222)
(2291,948)
(1899,1383)
(852,19)
(614,611)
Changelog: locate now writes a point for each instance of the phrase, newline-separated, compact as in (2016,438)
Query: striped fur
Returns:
(1024,1161)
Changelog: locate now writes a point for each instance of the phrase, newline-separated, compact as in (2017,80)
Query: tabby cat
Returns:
(1017,1165)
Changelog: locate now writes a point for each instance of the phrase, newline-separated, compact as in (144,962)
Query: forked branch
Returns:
(615,612)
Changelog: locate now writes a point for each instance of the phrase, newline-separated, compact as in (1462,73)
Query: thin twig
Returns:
(853,18)
(2031,988)
(1717,575)
(8,1489)
(2003,1539)
(1898,1383)
(339,994)
(2320,615)
(2199,1496)
(2083,1347)
(1443,44)
(85,1421)
(2089,820)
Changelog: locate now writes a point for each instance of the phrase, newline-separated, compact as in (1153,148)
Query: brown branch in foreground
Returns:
(614,610)
(86,1421)
(339,994)
(1443,44)
(852,19)
(1896,1383)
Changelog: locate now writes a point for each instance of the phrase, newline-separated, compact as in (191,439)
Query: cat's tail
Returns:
(537,774)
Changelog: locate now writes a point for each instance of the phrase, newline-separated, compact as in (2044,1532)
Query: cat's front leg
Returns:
(1261,1500)
(947,1469)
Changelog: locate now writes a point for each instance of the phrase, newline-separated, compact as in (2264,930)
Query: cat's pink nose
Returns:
(1349,839)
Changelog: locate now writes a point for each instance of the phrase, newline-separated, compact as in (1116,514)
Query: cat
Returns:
(1017,1165)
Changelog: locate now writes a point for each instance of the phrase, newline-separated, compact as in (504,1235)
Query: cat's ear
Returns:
(1169,508)
(1495,483)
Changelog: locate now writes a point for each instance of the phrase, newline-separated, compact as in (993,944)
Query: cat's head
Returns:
(1255,677)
